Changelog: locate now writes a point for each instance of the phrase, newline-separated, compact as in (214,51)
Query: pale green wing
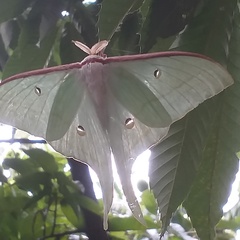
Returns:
(137,98)
(146,96)
(65,105)
(57,107)
(180,83)
(128,138)
(87,141)
(29,103)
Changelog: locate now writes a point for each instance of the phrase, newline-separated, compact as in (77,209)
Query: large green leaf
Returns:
(220,165)
(174,162)
(211,188)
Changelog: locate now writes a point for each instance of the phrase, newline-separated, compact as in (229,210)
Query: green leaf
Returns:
(66,185)
(76,218)
(38,223)
(12,8)
(118,235)
(43,159)
(174,162)
(89,204)
(129,223)
(12,204)
(211,189)
(233,224)
(33,181)
(179,217)
(213,185)
(30,225)
(19,165)
(149,202)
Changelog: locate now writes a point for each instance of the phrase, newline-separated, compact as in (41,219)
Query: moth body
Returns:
(96,85)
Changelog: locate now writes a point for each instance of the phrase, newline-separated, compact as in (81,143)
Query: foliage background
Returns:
(192,167)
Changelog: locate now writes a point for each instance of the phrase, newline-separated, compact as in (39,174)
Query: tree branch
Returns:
(94,222)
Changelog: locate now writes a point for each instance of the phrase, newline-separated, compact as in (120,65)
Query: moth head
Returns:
(96,49)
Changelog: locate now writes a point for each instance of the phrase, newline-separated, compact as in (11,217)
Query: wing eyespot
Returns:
(38,91)
(81,131)
(129,123)
(157,73)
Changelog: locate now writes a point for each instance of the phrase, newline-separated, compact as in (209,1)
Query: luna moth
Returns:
(107,106)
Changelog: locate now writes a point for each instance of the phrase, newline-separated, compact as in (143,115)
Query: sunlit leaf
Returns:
(149,202)
(76,218)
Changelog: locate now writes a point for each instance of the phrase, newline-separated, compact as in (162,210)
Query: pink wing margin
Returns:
(104,60)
